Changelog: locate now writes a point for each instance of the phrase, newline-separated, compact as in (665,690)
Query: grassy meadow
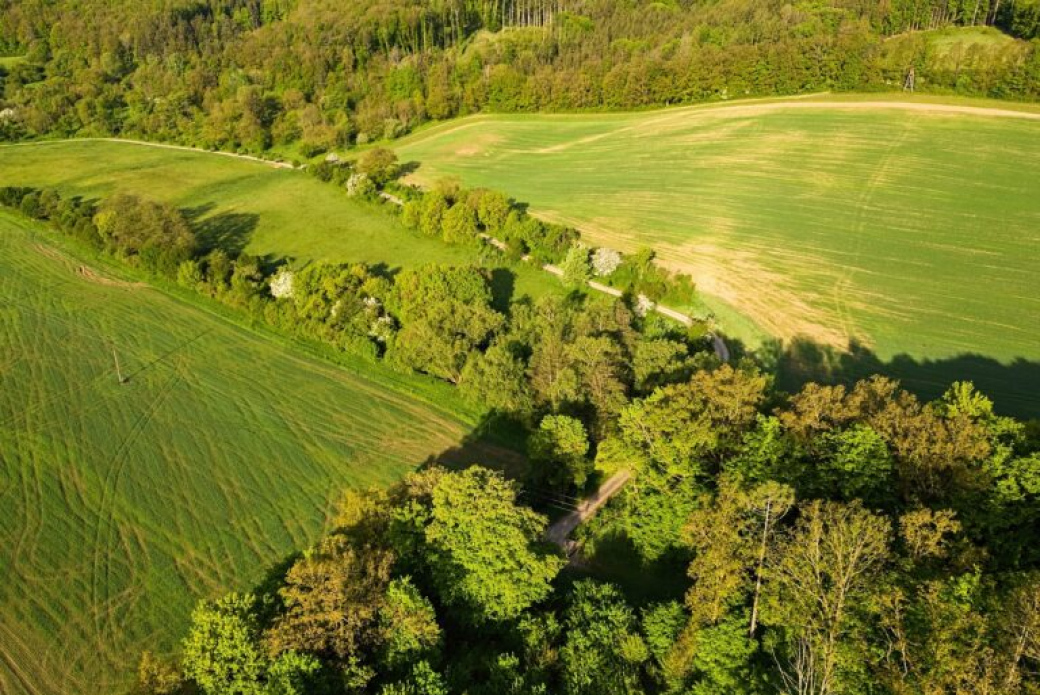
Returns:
(241,204)
(912,231)
(953,47)
(122,504)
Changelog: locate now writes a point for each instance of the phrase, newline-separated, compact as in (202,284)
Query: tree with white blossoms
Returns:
(282,284)
(382,329)
(360,185)
(605,261)
(643,305)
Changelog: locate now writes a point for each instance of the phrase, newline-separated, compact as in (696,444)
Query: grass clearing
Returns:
(123,504)
(950,47)
(244,205)
(910,225)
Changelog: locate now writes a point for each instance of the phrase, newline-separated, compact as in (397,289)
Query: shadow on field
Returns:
(229,231)
(408,168)
(497,442)
(1014,388)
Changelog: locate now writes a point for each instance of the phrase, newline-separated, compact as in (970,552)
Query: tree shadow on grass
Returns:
(407,168)
(229,231)
(503,287)
(497,442)
(1014,387)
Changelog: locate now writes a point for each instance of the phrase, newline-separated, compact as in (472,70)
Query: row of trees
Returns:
(251,75)
(561,356)
(492,221)
(152,235)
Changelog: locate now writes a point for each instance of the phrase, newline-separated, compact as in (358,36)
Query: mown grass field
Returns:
(914,231)
(242,204)
(122,504)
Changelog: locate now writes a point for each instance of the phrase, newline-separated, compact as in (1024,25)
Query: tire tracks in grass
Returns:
(106,509)
(844,282)
(7,637)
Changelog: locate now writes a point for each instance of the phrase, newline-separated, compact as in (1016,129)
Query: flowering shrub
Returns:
(282,284)
(605,261)
(359,185)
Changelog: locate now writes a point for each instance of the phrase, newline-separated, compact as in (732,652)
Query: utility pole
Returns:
(119,372)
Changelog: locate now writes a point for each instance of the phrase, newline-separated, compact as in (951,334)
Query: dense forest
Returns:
(833,540)
(256,74)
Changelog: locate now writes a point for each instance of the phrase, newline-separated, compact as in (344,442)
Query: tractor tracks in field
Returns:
(843,285)
(106,508)
(33,683)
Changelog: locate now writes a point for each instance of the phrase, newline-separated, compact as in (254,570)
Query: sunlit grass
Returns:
(123,503)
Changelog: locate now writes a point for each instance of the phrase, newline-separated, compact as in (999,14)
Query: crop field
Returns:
(241,204)
(910,228)
(122,504)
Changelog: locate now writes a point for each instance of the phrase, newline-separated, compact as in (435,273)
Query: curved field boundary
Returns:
(929,107)
(820,100)
(160,145)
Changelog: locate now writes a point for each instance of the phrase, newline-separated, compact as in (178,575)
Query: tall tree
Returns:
(819,581)
(485,552)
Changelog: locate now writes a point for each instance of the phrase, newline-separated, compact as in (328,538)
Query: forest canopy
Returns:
(257,74)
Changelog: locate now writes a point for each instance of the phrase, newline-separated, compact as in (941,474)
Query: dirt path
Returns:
(920,106)
(560,532)
(720,346)
(161,146)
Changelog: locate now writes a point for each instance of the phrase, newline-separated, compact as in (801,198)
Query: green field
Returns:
(225,451)
(241,204)
(914,231)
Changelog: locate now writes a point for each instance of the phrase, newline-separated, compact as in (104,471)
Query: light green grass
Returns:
(952,45)
(947,39)
(915,232)
(291,213)
(8,62)
(122,504)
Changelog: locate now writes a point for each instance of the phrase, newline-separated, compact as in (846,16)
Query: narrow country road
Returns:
(560,531)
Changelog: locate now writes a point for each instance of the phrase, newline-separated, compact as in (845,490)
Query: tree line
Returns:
(571,354)
(483,217)
(251,75)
